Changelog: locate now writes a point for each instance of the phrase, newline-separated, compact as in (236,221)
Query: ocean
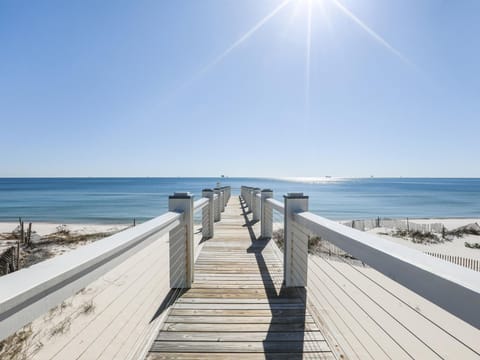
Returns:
(120,200)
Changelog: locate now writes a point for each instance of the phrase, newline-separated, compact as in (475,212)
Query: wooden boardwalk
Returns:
(237,308)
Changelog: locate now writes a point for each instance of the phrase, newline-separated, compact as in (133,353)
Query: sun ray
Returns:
(372,33)
(246,35)
(324,14)
(294,14)
(225,53)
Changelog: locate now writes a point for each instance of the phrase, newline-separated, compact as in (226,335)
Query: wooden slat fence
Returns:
(470,263)
(8,260)
(398,224)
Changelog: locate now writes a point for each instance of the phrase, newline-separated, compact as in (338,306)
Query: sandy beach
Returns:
(52,239)
(454,246)
(45,228)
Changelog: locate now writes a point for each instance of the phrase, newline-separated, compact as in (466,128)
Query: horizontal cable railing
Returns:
(200,204)
(455,289)
(275,204)
(30,292)
(451,287)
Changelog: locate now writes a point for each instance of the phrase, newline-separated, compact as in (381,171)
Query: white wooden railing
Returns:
(450,286)
(28,293)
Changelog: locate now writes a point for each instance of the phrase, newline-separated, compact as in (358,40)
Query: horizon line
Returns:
(241,177)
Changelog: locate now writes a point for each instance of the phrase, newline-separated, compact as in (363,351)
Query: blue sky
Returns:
(127,88)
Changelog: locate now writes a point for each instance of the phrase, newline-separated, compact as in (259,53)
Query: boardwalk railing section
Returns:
(451,287)
(31,292)
(183,249)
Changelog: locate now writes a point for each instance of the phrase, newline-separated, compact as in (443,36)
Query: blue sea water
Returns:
(119,200)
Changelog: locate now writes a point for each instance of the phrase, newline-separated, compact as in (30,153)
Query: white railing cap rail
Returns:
(453,288)
(275,204)
(68,273)
(200,204)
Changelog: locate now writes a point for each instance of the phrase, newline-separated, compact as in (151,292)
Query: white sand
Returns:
(35,254)
(45,228)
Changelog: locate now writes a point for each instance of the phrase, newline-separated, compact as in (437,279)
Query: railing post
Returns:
(217,209)
(229,193)
(266,218)
(224,190)
(208,215)
(255,205)
(246,196)
(250,199)
(222,199)
(181,242)
(295,262)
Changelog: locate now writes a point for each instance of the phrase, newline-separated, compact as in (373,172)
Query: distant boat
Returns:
(222,176)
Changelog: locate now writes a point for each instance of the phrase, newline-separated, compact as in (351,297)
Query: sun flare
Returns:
(308,7)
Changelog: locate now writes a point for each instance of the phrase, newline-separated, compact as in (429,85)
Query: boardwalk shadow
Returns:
(169,299)
(287,306)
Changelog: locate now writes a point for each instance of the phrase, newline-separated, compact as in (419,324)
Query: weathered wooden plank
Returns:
(241,356)
(226,271)
(236,312)
(239,327)
(202,292)
(252,263)
(220,293)
(235,286)
(236,258)
(239,319)
(239,306)
(265,300)
(240,336)
(239,346)
(232,272)
(227,279)
(230,281)
(234,281)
